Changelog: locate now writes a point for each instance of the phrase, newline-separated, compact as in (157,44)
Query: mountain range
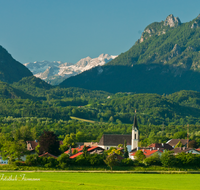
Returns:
(165,59)
(57,71)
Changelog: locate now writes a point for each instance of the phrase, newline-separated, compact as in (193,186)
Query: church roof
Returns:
(114,140)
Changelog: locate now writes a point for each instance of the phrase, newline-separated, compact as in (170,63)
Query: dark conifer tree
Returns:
(48,142)
(125,150)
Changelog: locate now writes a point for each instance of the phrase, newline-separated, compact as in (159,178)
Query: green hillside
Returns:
(10,69)
(177,45)
(8,92)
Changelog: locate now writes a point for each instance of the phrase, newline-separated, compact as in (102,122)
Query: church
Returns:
(113,140)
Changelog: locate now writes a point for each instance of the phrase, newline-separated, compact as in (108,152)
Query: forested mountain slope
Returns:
(10,69)
(164,60)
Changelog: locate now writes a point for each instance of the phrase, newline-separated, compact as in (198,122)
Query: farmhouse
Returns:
(78,149)
(161,146)
(90,150)
(147,152)
(186,150)
(174,142)
(31,145)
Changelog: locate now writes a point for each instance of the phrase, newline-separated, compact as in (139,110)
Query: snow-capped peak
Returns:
(50,71)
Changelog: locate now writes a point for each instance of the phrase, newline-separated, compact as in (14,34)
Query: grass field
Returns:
(56,180)
(84,120)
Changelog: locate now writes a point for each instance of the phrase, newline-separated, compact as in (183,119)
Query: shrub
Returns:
(153,160)
(63,160)
(127,162)
(32,160)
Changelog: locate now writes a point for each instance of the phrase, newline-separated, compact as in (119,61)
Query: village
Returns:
(117,146)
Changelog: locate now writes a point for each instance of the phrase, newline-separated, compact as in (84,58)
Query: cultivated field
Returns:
(56,180)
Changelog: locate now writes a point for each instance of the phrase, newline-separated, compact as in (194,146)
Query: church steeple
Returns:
(135,133)
(135,126)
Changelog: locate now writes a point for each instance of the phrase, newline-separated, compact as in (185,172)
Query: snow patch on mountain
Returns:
(57,71)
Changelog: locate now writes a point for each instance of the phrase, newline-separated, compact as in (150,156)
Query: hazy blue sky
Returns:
(68,30)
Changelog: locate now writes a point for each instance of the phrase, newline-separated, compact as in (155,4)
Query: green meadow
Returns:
(64,180)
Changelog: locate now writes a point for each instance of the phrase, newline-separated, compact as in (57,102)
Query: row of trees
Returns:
(76,131)
(168,159)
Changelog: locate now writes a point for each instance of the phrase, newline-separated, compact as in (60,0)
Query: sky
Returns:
(69,30)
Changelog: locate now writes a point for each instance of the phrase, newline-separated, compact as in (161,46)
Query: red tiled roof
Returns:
(75,155)
(198,149)
(94,147)
(78,149)
(147,152)
(46,153)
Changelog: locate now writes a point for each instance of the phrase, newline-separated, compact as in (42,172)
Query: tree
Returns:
(80,137)
(111,161)
(113,150)
(139,155)
(193,144)
(120,145)
(12,149)
(32,160)
(84,151)
(75,151)
(153,160)
(111,119)
(179,144)
(125,150)
(167,159)
(49,143)
(63,160)
(70,140)
(70,151)
(180,135)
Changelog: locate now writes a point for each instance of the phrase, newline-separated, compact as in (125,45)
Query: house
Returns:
(90,150)
(113,140)
(147,152)
(31,145)
(3,161)
(78,149)
(161,146)
(198,149)
(184,149)
(90,144)
(76,155)
(47,155)
(95,150)
(174,142)
(118,157)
